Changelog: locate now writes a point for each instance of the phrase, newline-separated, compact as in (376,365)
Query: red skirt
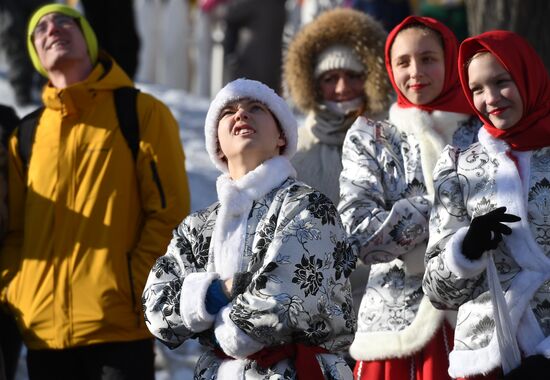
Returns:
(431,363)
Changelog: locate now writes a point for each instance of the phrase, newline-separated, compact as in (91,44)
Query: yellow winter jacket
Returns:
(87,221)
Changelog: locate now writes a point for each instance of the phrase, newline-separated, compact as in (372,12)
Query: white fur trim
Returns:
(494,146)
(231,369)
(250,89)
(379,345)
(236,199)
(433,131)
(470,363)
(466,363)
(232,340)
(413,120)
(460,265)
(192,301)
(512,193)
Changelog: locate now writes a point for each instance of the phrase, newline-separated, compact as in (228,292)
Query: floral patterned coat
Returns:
(385,208)
(469,184)
(298,261)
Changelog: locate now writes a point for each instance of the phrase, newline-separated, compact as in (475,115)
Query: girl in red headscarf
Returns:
(386,197)
(493,204)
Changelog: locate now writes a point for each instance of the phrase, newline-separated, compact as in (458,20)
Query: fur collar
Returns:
(414,120)
(433,131)
(512,190)
(236,198)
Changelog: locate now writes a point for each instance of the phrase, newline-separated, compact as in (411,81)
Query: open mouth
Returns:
(243,130)
(57,43)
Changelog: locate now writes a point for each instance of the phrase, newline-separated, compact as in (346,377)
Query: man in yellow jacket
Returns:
(86,219)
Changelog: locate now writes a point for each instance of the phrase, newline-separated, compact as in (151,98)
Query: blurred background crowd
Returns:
(199,45)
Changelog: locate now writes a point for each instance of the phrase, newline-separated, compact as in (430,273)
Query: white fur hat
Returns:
(248,89)
(338,57)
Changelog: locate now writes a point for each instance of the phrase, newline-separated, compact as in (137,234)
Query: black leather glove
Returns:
(486,232)
(535,367)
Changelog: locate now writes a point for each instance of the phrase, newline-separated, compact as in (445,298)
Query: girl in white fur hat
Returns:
(261,276)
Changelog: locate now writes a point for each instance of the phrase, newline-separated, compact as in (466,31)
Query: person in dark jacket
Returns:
(253,42)
(10,339)
(114,25)
(13,24)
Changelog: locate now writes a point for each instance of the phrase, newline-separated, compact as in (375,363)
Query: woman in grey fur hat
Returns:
(334,72)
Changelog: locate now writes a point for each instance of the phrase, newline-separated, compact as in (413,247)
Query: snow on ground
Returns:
(190,112)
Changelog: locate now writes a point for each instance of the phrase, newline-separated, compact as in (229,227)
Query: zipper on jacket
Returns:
(156,179)
(132,291)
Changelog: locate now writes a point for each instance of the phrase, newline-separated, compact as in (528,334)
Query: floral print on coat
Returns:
(296,250)
(385,208)
(471,183)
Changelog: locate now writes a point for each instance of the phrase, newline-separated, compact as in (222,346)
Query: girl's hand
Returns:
(485,232)
(227,285)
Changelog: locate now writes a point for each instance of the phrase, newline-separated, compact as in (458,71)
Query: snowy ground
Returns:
(190,112)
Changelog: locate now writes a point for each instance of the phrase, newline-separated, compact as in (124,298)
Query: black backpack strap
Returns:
(126,111)
(25,135)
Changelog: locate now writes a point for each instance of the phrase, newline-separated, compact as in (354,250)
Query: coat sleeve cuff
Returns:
(192,301)
(232,340)
(458,264)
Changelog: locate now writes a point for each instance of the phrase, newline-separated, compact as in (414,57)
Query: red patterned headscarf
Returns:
(528,72)
(451,98)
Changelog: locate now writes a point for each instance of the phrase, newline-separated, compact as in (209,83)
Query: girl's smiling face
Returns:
(494,92)
(418,65)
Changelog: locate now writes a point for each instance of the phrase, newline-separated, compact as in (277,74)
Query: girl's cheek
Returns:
(478,103)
